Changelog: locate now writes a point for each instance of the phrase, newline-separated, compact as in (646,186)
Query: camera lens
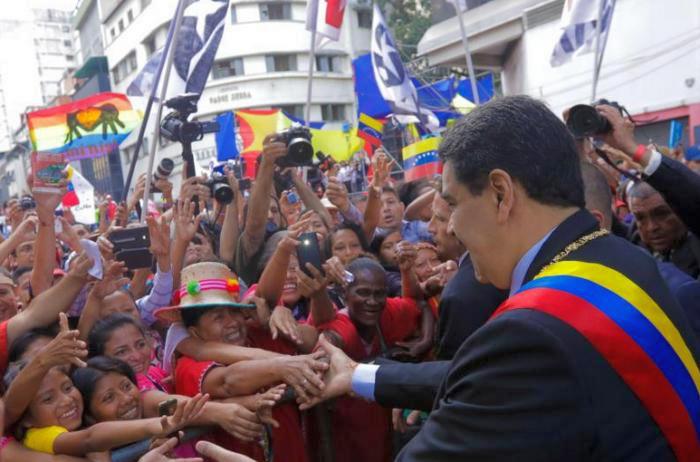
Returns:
(300,151)
(222,193)
(584,120)
(164,169)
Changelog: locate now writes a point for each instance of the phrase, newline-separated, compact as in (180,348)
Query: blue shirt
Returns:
(413,231)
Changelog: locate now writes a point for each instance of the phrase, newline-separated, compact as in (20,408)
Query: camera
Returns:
(585,120)
(164,169)
(27,203)
(220,189)
(175,125)
(300,152)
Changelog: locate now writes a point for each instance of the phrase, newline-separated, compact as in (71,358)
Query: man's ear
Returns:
(502,188)
(192,330)
(598,216)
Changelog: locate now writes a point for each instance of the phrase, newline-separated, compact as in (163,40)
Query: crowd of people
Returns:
(235,332)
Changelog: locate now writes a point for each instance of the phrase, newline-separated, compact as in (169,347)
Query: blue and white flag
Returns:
(393,81)
(195,44)
(578,28)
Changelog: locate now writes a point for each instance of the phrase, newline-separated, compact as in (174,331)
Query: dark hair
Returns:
(379,237)
(410,191)
(640,190)
(521,136)
(361,264)
(190,316)
(22,343)
(390,189)
(597,190)
(103,329)
(350,227)
(85,378)
(17,273)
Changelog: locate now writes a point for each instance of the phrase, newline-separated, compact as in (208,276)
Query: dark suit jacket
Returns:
(465,305)
(528,387)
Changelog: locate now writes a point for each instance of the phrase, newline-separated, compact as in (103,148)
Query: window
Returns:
(327,63)
(150,45)
(130,15)
(364,19)
(227,68)
(234,15)
(121,25)
(294,110)
(69,57)
(65,28)
(112,32)
(124,67)
(67,43)
(333,112)
(281,63)
(275,11)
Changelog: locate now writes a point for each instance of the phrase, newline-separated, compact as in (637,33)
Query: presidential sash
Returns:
(634,335)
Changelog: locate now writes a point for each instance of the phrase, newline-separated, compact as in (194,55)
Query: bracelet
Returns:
(641,149)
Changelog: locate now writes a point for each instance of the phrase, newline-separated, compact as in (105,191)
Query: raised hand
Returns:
(282,322)
(159,232)
(46,202)
(65,348)
(186,224)
(311,285)
(26,230)
(337,193)
(273,149)
(112,279)
(338,378)
(335,270)
(240,422)
(68,235)
(82,265)
(406,255)
(381,166)
(185,413)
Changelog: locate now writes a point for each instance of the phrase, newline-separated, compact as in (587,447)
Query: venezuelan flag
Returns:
(370,129)
(87,128)
(70,198)
(634,335)
(421,159)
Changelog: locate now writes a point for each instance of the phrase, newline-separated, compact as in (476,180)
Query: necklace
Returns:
(577,244)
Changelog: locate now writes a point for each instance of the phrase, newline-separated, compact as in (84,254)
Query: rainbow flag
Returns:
(633,334)
(420,159)
(87,128)
(370,129)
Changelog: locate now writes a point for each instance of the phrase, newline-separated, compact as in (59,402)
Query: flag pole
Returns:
(467,53)
(312,63)
(600,47)
(168,60)
(149,104)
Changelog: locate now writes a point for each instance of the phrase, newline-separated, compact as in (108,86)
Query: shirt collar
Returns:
(520,270)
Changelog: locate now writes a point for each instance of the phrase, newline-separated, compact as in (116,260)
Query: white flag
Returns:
(578,28)
(84,212)
(195,47)
(393,80)
(325,17)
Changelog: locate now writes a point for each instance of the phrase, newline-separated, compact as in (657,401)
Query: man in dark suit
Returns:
(557,373)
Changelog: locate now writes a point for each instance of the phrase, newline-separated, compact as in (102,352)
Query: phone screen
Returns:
(309,251)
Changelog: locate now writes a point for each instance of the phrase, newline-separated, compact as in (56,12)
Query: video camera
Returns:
(584,120)
(176,127)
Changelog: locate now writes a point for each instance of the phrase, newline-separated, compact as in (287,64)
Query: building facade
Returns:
(37,49)
(651,64)
(262,61)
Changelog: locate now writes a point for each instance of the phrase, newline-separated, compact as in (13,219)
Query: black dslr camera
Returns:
(176,127)
(220,189)
(300,152)
(585,120)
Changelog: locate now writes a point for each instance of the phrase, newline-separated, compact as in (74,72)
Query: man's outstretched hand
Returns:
(338,378)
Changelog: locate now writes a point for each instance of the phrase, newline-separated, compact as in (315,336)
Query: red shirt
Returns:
(4,347)
(287,440)
(361,429)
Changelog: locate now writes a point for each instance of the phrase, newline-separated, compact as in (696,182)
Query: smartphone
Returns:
(131,246)
(292,197)
(309,251)
(167,407)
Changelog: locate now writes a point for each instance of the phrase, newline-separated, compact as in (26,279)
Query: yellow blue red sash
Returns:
(633,334)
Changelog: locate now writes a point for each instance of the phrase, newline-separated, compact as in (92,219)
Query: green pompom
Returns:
(193,287)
